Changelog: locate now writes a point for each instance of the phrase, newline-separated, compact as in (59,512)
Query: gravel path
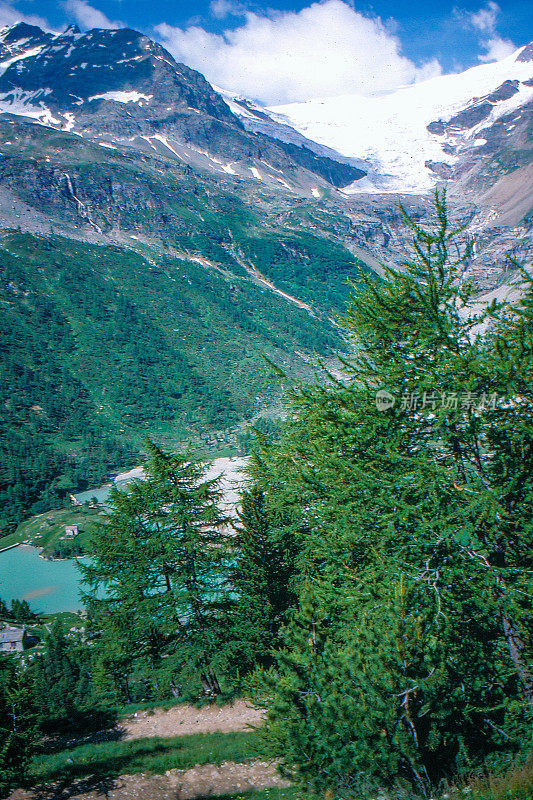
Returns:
(208,780)
(183,720)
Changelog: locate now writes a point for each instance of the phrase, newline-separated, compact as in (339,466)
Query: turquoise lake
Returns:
(48,586)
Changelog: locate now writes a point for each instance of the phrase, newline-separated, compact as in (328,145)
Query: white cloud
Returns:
(497,49)
(9,15)
(89,17)
(223,8)
(325,49)
(485,21)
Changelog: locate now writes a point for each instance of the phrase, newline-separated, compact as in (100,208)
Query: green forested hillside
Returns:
(100,346)
(314,268)
(142,305)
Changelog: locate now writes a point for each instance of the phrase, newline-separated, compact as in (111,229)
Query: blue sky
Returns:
(296,50)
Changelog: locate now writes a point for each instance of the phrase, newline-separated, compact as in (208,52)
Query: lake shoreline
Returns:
(25,569)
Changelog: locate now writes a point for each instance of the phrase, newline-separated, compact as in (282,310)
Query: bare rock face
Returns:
(440,168)
(490,169)
(527,53)
(504,92)
(478,110)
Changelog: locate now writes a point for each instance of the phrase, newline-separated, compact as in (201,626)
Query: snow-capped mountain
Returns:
(116,96)
(409,138)
(121,87)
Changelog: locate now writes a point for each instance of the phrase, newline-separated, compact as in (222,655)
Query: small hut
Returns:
(12,640)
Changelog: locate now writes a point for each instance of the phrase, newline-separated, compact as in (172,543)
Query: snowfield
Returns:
(389,131)
(28,54)
(122,97)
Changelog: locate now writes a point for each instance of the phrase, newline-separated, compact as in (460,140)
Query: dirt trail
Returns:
(208,780)
(184,720)
(203,781)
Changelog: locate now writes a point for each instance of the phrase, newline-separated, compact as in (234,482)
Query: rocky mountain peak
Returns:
(20,31)
(122,85)
(20,39)
(526,54)
(72,29)
(109,82)
(74,68)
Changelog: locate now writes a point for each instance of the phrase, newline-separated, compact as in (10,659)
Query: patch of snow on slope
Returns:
(315,192)
(33,52)
(122,97)
(238,109)
(164,141)
(71,121)
(522,96)
(275,169)
(255,172)
(20,103)
(390,131)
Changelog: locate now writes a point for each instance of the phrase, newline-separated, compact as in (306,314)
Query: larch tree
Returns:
(158,590)
(409,485)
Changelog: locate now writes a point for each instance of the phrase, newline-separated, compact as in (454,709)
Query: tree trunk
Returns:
(209,682)
(205,683)
(127,688)
(514,643)
(214,682)
(516,651)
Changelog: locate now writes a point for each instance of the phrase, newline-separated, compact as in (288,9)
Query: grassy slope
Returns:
(47,531)
(110,759)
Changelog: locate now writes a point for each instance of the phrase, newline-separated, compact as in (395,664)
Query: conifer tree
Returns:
(62,686)
(17,724)
(471,410)
(435,486)
(162,566)
(264,568)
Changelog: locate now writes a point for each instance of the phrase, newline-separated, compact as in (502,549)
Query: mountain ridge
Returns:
(121,85)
